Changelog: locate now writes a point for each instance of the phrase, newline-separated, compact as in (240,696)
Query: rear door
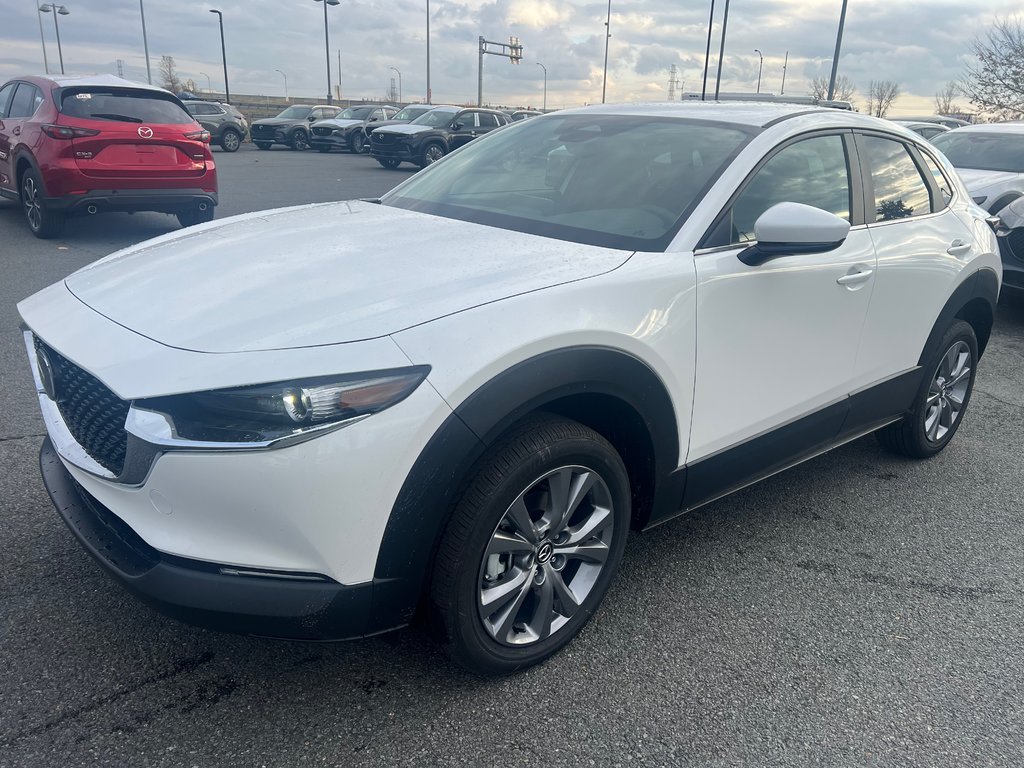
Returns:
(209,116)
(488,122)
(140,135)
(7,180)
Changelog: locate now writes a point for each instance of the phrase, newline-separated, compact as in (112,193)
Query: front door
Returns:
(466,131)
(776,343)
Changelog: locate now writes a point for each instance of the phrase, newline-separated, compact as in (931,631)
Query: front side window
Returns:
(619,181)
(813,172)
(466,121)
(900,190)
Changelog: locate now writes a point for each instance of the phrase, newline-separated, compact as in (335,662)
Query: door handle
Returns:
(16,130)
(958,248)
(854,278)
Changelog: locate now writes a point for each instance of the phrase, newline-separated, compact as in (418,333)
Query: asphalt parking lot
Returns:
(860,609)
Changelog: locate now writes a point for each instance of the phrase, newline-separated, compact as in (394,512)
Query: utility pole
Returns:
(672,83)
(339,75)
(760,67)
(835,57)
(512,50)
(785,66)
(428,51)
(607,39)
(721,50)
(223,56)
(145,43)
(39,16)
(707,53)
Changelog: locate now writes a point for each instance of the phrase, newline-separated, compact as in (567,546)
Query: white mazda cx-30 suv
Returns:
(312,422)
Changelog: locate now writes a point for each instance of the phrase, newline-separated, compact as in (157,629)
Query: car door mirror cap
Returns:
(456,125)
(791,229)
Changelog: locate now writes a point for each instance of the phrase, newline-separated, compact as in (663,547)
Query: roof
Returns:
(991,128)
(109,81)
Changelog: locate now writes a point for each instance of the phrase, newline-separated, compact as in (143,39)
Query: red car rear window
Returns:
(123,106)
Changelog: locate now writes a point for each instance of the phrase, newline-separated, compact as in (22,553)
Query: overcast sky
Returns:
(922,45)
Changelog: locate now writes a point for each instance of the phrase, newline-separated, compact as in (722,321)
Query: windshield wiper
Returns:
(112,116)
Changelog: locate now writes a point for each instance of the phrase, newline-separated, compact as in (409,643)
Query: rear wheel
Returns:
(942,399)
(262,144)
(195,216)
(299,141)
(532,546)
(389,162)
(42,220)
(231,140)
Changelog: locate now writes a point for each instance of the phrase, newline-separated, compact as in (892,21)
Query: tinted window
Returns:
(813,172)
(26,99)
(983,151)
(620,181)
(945,188)
(488,121)
(467,120)
(435,117)
(201,109)
(5,96)
(123,106)
(900,190)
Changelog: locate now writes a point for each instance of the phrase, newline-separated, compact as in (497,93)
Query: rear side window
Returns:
(945,188)
(123,106)
(5,97)
(900,190)
(488,120)
(26,100)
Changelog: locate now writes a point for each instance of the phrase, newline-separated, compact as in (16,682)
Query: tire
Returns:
(934,417)
(299,141)
(43,221)
(193,217)
(263,144)
(231,140)
(432,153)
(549,590)
(356,143)
(389,162)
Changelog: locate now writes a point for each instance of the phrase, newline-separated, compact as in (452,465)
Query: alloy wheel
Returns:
(231,141)
(33,205)
(947,392)
(357,143)
(433,154)
(545,556)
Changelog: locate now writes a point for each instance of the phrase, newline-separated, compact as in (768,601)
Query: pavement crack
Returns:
(948,591)
(179,667)
(1000,400)
(22,437)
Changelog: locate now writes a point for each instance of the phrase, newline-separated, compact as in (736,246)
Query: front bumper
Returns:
(333,141)
(396,151)
(244,601)
(160,200)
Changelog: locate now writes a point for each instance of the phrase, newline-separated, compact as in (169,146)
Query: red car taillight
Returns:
(67,132)
(203,136)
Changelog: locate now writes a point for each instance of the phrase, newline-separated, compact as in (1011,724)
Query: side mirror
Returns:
(372,120)
(456,126)
(311,118)
(789,229)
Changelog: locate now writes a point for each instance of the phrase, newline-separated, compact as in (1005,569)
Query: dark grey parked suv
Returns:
(227,126)
(291,126)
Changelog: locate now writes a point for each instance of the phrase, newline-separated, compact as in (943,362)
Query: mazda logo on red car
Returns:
(146,133)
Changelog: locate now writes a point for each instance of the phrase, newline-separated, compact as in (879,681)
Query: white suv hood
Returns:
(321,274)
(989,183)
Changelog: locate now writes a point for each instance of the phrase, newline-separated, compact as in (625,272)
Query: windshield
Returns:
(356,113)
(982,151)
(295,113)
(436,117)
(619,181)
(123,106)
(411,113)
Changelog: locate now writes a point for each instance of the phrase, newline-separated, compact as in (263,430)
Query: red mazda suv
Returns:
(83,145)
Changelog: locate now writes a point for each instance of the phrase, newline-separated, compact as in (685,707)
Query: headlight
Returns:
(288,410)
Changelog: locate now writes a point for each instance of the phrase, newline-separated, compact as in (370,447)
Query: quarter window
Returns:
(813,171)
(900,190)
(945,188)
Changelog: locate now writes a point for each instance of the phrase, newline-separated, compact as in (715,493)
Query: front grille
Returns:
(322,131)
(94,415)
(259,130)
(382,138)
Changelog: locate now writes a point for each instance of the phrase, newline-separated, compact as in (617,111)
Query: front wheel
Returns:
(942,398)
(432,154)
(389,162)
(532,545)
(356,143)
(231,140)
(299,141)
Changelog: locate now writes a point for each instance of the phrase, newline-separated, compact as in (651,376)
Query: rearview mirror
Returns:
(789,229)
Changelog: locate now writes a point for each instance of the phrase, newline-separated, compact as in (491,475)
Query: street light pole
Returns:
(545,107)
(785,66)
(145,42)
(209,82)
(759,68)
(285,83)
(835,57)
(428,51)
(56,10)
(607,38)
(223,56)
(39,17)
(327,45)
(721,50)
(707,53)
(399,82)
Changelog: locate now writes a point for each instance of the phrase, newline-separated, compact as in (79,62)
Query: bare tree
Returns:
(169,74)
(881,95)
(995,82)
(945,100)
(845,89)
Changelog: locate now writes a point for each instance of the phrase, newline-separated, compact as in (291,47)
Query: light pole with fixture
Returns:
(399,82)
(145,43)
(223,55)
(607,38)
(545,107)
(835,56)
(759,68)
(721,50)
(209,82)
(707,53)
(327,45)
(39,17)
(428,51)
(285,83)
(56,10)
